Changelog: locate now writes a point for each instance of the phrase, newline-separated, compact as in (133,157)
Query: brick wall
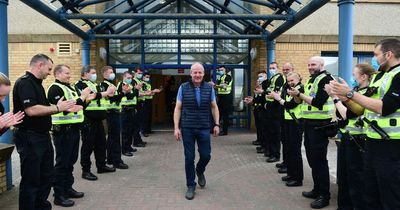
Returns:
(3,181)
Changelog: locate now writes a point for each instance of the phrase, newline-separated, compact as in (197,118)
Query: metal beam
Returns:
(346,11)
(51,14)
(206,10)
(176,36)
(141,16)
(71,6)
(310,8)
(226,3)
(262,3)
(90,2)
(85,46)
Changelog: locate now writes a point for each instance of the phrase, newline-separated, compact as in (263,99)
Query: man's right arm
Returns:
(177,114)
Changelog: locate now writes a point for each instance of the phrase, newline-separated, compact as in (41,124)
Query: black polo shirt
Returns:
(28,91)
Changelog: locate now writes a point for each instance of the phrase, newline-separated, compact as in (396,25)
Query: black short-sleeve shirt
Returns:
(28,91)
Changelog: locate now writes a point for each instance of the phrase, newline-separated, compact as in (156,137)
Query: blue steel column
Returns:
(270,54)
(85,46)
(346,8)
(215,54)
(179,7)
(6,137)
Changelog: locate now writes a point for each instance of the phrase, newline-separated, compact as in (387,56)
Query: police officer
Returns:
(66,127)
(32,137)
(272,116)
(148,106)
(113,118)
(257,102)
(350,173)
(382,111)
(138,82)
(128,111)
(224,93)
(93,134)
(316,111)
(293,131)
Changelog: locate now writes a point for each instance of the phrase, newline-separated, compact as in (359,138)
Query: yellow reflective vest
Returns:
(94,105)
(108,103)
(72,117)
(296,111)
(351,125)
(227,90)
(272,85)
(148,87)
(140,98)
(125,101)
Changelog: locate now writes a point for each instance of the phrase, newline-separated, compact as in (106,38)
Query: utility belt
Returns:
(128,107)
(110,111)
(29,131)
(66,127)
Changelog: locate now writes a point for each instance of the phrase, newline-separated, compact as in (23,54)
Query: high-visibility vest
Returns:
(148,87)
(72,117)
(94,105)
(125,101)
(351,125)
(272,85)
(390,123)
(296,111)
(311,112)
(228,89)
(140,98)
(108,103)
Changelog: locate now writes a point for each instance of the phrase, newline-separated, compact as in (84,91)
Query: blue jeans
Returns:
(189,136)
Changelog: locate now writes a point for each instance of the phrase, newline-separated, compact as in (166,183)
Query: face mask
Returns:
(146,79)
(261,79)
(139,76)
(128,81)
(111,76)
(374,63)
(93,77)
(354,83)
(272,72)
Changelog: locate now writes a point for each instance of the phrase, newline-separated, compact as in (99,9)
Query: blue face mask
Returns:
(128,81)
(139,76)
(93,77)
(354,83)
(220,73)
(374,63)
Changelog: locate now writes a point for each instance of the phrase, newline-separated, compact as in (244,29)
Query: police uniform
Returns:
(271,118)
(113,127)
(293,136)
(137,140)
(225,101)
(93,134)
(66,127)
(316,141)
(128,109)
(33,143)
(382,157)
(148,109)
(257,101)
(350,161)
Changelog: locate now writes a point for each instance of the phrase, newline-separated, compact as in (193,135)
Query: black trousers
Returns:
(225,108)
(114,137)
(350,173)
(382,174)
(293,137)
(37,168)
(147,112)
(137,123)
(316,144)
(257,122)
(271,136)
(66,143)
(284,139)
(93,140)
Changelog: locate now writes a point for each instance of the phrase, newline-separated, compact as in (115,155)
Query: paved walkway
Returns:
(237,179)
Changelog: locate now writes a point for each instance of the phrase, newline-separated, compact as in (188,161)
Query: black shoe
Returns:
(190,192)
(259,148)
(282,170)
(261,151)
(139,145)
(294,183)
(256,142)
(145,134)
(272,160)
(201,180)
(63,201)
(129,154)
(280,165)
(133,150)
(105,169)
(320,202)
(71,193)
(89,176)
(144,142)
(287,178)
(223,134)
(311,194)
(121,166)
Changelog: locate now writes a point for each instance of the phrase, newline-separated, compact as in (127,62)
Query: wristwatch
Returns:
(336,100)
(350,94)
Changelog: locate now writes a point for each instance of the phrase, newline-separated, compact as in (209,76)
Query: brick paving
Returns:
(237,179)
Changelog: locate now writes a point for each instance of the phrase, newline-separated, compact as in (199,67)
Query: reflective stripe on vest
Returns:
(71,117)
(94,104)
(140,98)
(391,123)
(311,112)
(228,89)
(296,111)
(351,125)
(108,103)
(128,102)
(148,87)
(272,85)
